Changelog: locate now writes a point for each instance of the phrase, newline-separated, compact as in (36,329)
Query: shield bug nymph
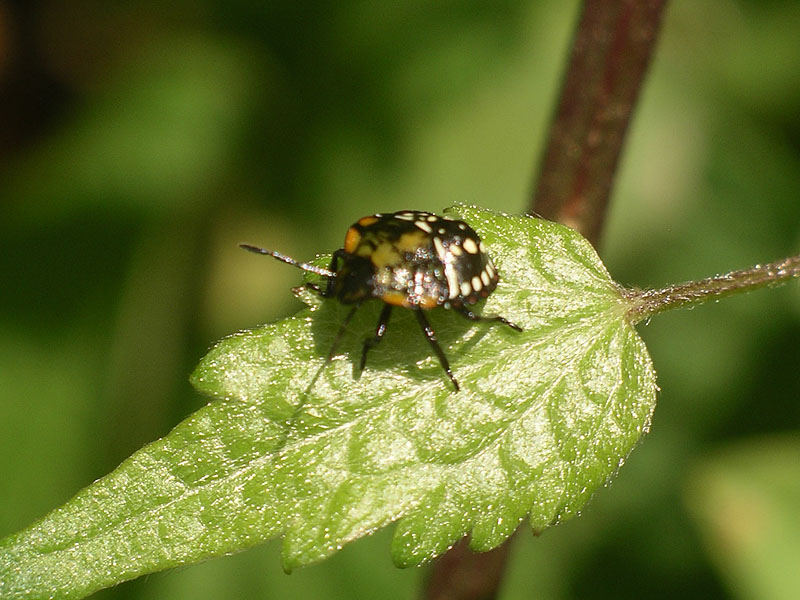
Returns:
(412,259)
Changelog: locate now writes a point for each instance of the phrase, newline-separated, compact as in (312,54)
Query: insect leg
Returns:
(332,351)
(311,286)
(430,335)
(465,312)
(370,343)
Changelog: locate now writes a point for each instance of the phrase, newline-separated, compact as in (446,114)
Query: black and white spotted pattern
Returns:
(432,260)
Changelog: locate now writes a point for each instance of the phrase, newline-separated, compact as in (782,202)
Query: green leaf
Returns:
(543,419)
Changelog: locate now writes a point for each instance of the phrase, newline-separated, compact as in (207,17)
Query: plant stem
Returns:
(646,303)
(461,574)
(610,54)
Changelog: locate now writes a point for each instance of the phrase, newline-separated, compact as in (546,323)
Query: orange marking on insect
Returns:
(352,239)
(395,299)
(367,221)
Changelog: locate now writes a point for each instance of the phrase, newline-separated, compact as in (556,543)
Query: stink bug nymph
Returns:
(412,259)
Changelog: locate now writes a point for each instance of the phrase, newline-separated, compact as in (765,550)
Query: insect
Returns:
(411,259)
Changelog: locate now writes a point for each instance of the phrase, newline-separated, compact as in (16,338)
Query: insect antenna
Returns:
(289,260)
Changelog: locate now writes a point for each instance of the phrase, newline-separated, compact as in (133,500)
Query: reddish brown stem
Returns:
(610,55)
(460,574)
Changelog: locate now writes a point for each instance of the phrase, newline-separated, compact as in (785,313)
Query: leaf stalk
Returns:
(646,303)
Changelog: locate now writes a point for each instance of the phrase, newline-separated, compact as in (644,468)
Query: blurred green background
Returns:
(142,141)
